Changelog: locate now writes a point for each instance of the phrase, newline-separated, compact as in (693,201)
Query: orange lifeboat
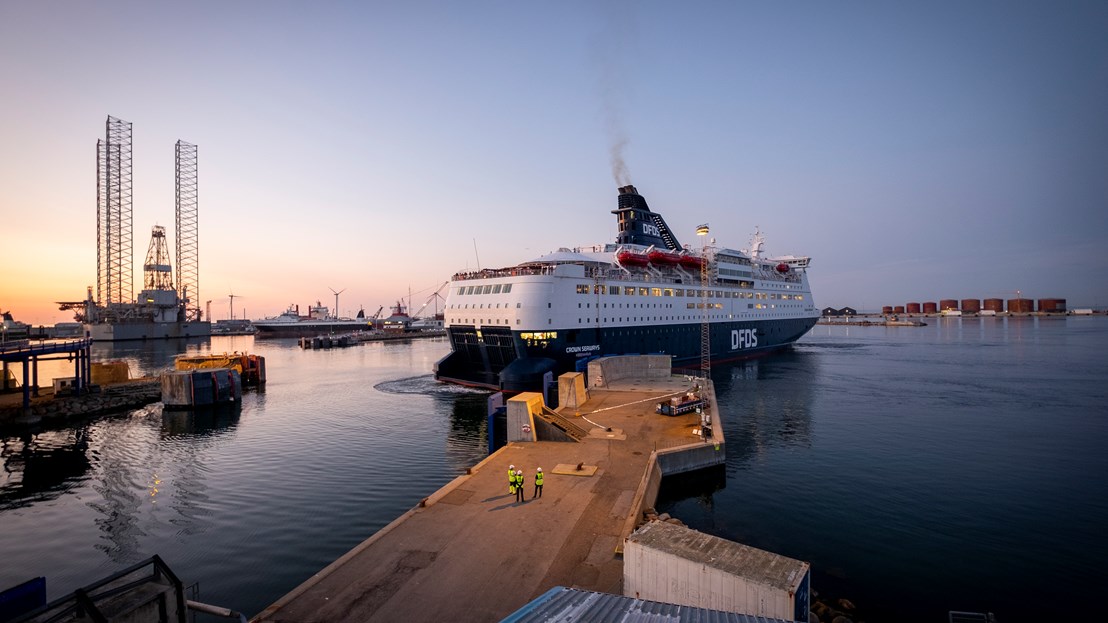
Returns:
(691,261)
(632,258)
(663,258)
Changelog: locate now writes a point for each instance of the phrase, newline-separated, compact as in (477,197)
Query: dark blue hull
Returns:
(502,359)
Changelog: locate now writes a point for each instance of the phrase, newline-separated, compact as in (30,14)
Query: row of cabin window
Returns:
(584,288)
(498,288)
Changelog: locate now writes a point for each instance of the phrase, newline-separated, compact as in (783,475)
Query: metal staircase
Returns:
(563,424)
(667,235)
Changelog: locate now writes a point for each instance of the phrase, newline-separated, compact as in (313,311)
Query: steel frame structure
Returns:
(187,230)
(114,240)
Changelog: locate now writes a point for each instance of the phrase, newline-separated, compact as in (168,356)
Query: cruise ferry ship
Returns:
(646,293)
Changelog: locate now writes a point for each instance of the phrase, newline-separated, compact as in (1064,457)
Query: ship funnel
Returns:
(638,225)
(629,197)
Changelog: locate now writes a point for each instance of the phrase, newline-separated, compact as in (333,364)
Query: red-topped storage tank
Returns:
(1021,306)
(912,308)
(946,304)
(930,308)
(996,305)
(971,306)
(1052,306)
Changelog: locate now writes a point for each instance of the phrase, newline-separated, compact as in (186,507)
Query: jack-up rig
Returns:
(165,308)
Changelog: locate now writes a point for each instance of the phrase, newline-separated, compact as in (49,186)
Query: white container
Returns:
(673,564)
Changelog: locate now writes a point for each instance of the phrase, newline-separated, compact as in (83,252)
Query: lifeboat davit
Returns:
(782,267)
(632,258)
(691,261)
(663,258)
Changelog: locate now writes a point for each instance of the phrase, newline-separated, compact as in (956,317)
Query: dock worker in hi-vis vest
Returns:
(519,486)
(538,484)
(512,479)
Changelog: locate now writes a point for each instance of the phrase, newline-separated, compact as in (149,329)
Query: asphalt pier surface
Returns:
(472,553)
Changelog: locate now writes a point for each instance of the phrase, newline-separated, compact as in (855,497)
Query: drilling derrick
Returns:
(114,254)
(157,271)
(187,231)
(158,297)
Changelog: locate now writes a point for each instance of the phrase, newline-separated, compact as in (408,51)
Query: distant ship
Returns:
(319,321)
(508,327)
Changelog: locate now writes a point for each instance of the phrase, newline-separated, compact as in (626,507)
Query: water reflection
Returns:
(767,402)
(41,466)
(697,487)
(468,424)
(202,422)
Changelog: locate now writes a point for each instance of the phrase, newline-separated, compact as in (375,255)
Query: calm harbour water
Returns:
(957,466)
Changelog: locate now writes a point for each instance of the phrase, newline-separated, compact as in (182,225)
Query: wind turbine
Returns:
(336,299)
(232,297)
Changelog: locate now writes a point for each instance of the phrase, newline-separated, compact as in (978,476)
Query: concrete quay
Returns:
(470,552)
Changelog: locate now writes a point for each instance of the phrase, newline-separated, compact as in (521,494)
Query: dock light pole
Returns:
(706,322)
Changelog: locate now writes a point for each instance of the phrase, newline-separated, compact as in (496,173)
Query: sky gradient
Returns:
(915,152)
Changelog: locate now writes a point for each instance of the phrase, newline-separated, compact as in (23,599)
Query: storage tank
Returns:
(1052,306)
(1021,306)
(930,308)
(912,308)
(946,304)
(888,309)
(899,309)
(971,306)
(677,565)
(996,305)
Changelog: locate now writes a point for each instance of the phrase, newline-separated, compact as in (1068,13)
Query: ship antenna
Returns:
(475,254)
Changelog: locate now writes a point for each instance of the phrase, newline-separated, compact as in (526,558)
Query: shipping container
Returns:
(674,564)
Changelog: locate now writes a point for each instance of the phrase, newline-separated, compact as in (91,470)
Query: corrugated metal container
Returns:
(1052,305)
(948,304)
(673,564)
(899,309)
(996,305)
(888,309)
(930,308)
(912,308)
(971,306)
(1021,306)
(570,604)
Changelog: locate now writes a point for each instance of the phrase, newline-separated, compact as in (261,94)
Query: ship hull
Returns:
(309,329)
(501,359)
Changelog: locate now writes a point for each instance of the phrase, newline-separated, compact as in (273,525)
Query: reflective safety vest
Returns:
(538,478)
